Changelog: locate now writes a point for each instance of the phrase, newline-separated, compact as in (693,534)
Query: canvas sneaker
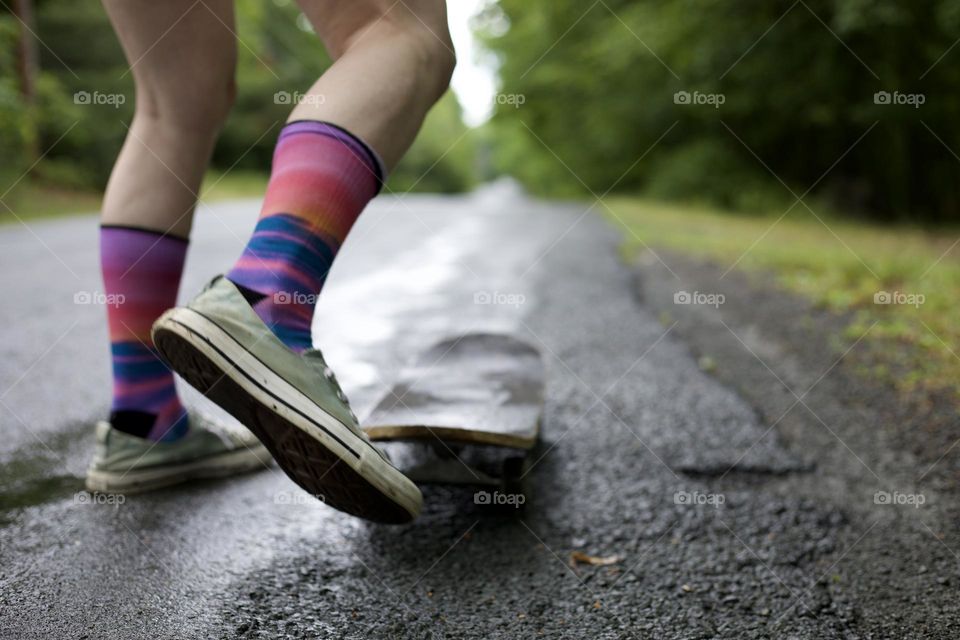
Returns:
(123,463)
(290,401)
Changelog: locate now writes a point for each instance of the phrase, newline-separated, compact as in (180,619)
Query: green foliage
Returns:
(689,172)
(442,157)
(278,57)
(13,114)
(797,83)
(79,55)
(278,53)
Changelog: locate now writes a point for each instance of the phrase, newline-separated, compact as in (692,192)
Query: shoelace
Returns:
(332,378)
(329,375)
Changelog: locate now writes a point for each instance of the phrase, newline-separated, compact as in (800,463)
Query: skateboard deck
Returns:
(468,411)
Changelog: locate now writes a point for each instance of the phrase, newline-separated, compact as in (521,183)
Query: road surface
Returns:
(712,524)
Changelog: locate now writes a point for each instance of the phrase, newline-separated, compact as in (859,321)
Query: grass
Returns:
(233,185)
(840,265)
(32,201)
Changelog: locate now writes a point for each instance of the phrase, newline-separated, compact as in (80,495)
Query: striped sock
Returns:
(141,275)
(322,179)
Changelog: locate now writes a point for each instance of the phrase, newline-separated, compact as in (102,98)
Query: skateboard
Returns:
(466,412)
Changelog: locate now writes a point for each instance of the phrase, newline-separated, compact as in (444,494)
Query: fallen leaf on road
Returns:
(579,557)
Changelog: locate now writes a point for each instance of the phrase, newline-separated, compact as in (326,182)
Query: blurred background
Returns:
(817,139)
(595,83)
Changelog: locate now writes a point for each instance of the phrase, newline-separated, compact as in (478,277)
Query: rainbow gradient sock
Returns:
(141,275)
(322,179)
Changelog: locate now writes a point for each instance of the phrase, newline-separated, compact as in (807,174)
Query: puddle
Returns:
(38,474)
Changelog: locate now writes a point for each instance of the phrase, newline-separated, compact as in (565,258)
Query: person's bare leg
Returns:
(393,60)
(182,57)
(246,340)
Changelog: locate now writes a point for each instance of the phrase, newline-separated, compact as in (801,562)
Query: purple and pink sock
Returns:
(322,178)
(141,275)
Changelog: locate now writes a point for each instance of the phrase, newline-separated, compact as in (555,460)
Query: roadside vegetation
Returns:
(66,100)
(901,283)
(856,100)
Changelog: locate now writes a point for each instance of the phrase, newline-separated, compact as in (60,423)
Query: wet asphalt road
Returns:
(634,432)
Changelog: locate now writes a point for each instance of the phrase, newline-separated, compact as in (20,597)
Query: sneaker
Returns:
(290,401)
(126,464)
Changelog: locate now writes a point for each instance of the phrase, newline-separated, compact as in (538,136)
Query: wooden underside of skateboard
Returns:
(466,412)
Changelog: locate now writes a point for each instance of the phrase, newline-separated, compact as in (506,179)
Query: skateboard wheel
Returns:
(513,481)
(446,450)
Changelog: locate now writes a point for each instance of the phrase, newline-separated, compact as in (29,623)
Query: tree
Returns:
(27,69)
(797,83)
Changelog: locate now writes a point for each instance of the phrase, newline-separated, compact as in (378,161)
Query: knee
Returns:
(418,34)
(198,108)
(437,60)
(430,54)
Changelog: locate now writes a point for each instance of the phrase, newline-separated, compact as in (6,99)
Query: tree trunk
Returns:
(27,70)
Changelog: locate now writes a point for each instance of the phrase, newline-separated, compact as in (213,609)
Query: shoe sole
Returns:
(317,451)
(140,480)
